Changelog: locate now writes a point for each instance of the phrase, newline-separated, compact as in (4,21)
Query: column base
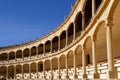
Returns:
(51,77)
(75,76)
(112,75)
(59,77)
(67,77)
(84,76)
(96,76)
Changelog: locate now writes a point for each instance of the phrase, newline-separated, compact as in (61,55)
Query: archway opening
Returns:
(3,57)
(26,53)
(40,49)
(55,44)
(78,24)
(63,40)
(88,12)
(70,33)
(33,51)
(11,55)
(47,47)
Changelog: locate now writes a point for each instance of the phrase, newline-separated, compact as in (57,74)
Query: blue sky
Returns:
(25,20)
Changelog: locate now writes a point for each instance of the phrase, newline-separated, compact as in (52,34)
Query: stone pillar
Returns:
(37,70)
(66,58)
(44,49)
(111,73)
(83,21)
(75,70)
(30,53)
(66,37)
(22,72)
(22,55)
(44,70)
(15,57)
(7,74)
(74,32)
(30,71)
(93,7)
(59,43)
(84,62)
(8,57)
(94,58)
(51,66)
(51,46)
(14,72)
(59,68)
(37,51)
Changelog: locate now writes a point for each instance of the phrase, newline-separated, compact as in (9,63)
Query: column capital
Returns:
(109,22)
(83,13)
(94,38)
(83,47)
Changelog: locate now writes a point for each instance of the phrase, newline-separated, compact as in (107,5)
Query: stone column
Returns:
(66,37)
(59,68)
(15,57)
(75,70)
(30,53)
(37,70)
(93,7)
(74,32)
(7,74)
(83,21)
(22,55)
(111,73)
(84,62)
(14,72)
(94,58)
(8,57)
(22,72)
(66,58)
(51,66)
(37,51)
(59,43)
(51,45)
(44,49)
(44,70)
(30,71)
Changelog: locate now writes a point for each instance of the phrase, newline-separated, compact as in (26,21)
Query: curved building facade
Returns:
(85,45)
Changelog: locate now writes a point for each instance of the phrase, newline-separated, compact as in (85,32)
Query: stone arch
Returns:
(70,31)
(112,10)
(78,54)
(26,52)
(11,72)
(18,69)
(70,58)
(55,42)
(40,49)
(62,61)
(33,51)
(62,39)
(12,55)
(40,66)
(88,12)
(33,67)
(55,63)
(47,46)
(88,49)
(26,68)
(3,57)
(78,24)
(47,65)
(19,54)
(3,71)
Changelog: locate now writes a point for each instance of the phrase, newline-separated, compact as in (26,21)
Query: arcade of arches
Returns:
(88,47)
